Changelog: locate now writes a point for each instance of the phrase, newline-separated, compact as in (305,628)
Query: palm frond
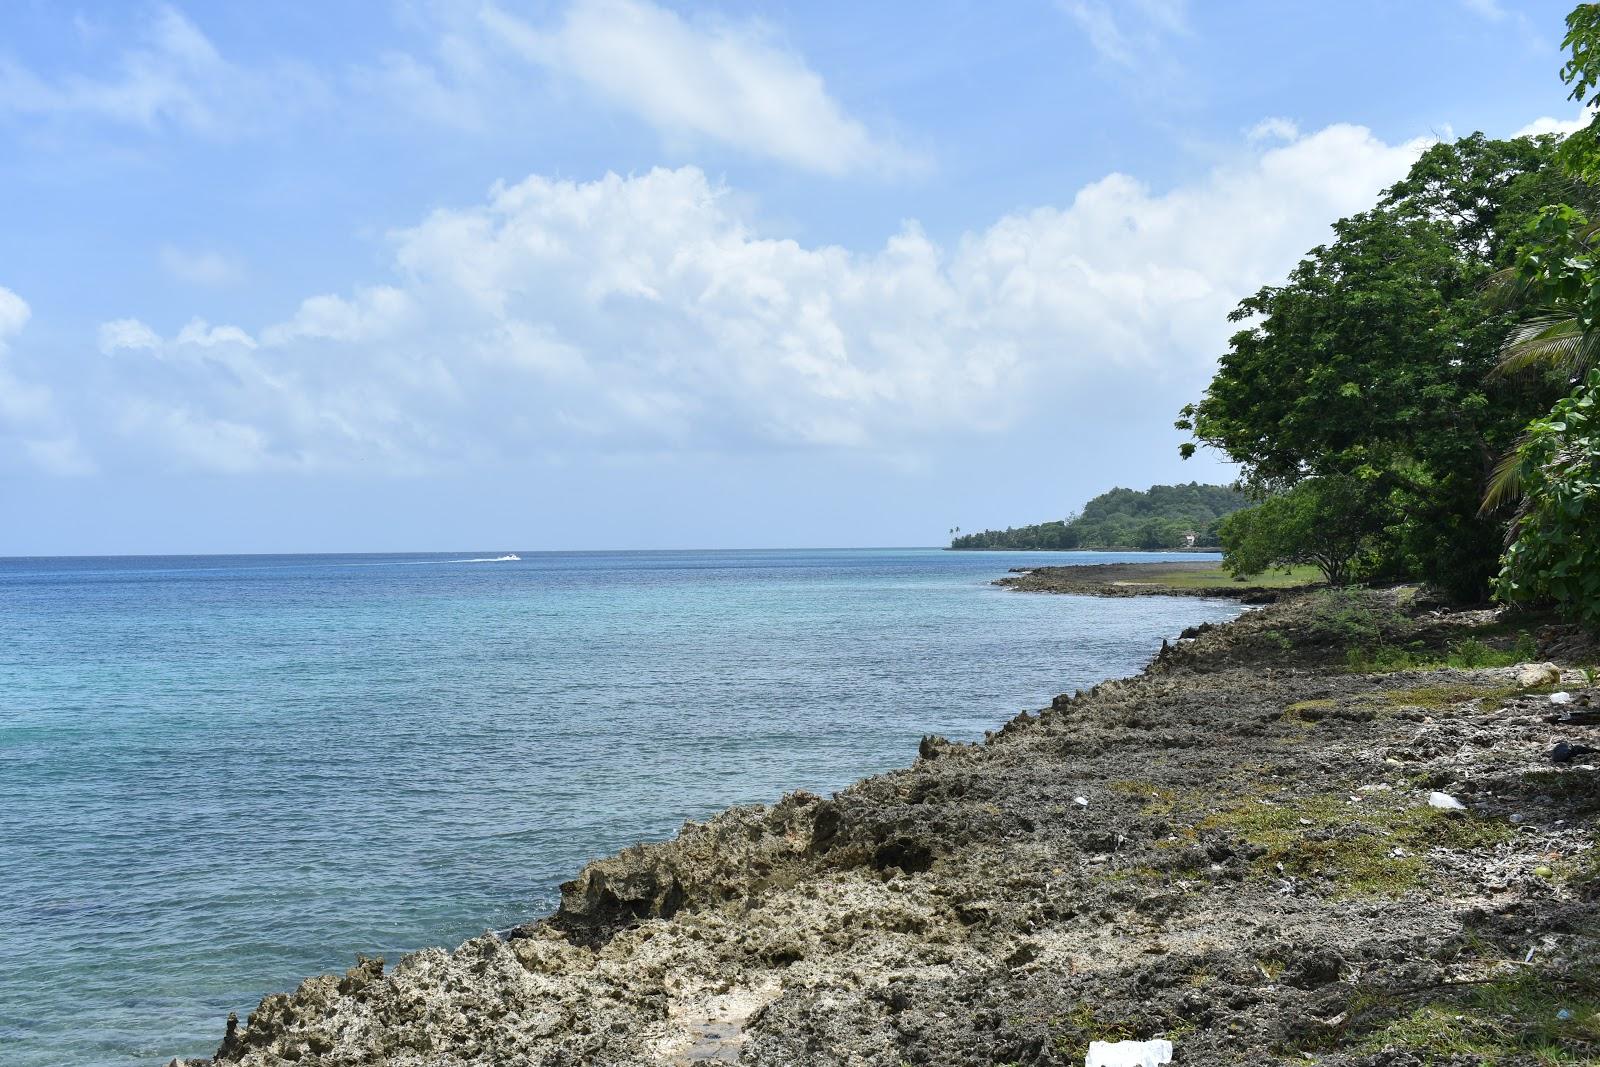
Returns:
(1549,338)
(1505,481)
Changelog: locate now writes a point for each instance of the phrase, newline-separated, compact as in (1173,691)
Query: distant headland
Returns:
(1163,517)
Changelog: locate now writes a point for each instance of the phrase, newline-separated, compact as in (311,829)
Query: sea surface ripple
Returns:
(219,775)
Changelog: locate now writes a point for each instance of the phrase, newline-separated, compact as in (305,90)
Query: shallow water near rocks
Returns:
(219,775)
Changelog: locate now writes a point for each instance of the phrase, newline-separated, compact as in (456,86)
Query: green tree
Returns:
(1554,552)
(1553,545)
(1326,521)
(1371,361)
(1553,280)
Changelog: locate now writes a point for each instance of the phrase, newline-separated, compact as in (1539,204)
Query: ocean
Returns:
(220,775)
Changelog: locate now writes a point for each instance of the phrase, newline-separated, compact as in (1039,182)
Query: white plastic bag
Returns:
(1129,1053)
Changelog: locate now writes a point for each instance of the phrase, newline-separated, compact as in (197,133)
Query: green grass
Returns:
(1515,1018)
(1468,653)
(1443,696)
(1307,713)
(1353,845)
(1214,577)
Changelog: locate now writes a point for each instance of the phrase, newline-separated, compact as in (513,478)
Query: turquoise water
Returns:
(219,775)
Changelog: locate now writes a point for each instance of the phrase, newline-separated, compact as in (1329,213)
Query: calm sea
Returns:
(219,775)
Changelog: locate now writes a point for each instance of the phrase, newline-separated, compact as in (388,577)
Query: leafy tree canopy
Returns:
(1372,361)
(1325,521)
(1555,549)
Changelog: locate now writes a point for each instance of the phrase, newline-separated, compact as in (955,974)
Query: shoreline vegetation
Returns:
(1242,849)
(1161,579)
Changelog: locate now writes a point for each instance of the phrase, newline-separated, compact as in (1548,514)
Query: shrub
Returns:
(1554,550)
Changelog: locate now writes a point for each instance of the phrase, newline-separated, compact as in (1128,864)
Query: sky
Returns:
(349,275)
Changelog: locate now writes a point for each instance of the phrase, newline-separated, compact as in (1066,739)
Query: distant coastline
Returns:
(1202,549)
(1160,518)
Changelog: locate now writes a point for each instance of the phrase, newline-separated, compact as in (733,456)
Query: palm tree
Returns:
(1551,337)
(1551,334)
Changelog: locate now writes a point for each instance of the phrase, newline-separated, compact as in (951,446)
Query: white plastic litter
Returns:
(1437,799)
(1129,1053)
(1082,802)
(1560,698)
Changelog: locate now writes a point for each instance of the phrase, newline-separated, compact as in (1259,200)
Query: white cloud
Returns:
(1127,33)
(173,76)
(126,334)
(199,440)
(719,81)
(200,266)
(202,333)
(20,401)
(375,312)
(14,315)
(647,312)
(1541,126)
(29,422)
(1511,24)
(1273,129)
(695,80)
(467,82)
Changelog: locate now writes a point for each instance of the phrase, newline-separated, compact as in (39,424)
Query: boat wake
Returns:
(509,557)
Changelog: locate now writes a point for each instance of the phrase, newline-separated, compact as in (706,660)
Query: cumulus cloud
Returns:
(727,82)
(126,334)
(1541,126)
(374,312)
(202,333)
(1273,129)
(650,311)
(14,315)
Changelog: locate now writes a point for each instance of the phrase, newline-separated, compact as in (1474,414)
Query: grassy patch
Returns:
(1374,848)
(1213,577)
(1072,1032)
(1351,618)
(1156,800)
(1467,653)
(1444,696)
(1306,713)
(1514,1019)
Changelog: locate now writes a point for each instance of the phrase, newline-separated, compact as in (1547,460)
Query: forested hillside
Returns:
(1159,517)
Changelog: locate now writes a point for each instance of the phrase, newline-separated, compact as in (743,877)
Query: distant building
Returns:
(1189,539)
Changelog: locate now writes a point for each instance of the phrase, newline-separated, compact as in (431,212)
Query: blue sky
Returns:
(614,273)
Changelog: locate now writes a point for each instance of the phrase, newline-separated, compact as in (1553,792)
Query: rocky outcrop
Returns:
(742,853)
(1234,850)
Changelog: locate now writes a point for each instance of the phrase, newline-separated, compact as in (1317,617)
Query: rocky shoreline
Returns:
(1138,579)
(1239,849)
